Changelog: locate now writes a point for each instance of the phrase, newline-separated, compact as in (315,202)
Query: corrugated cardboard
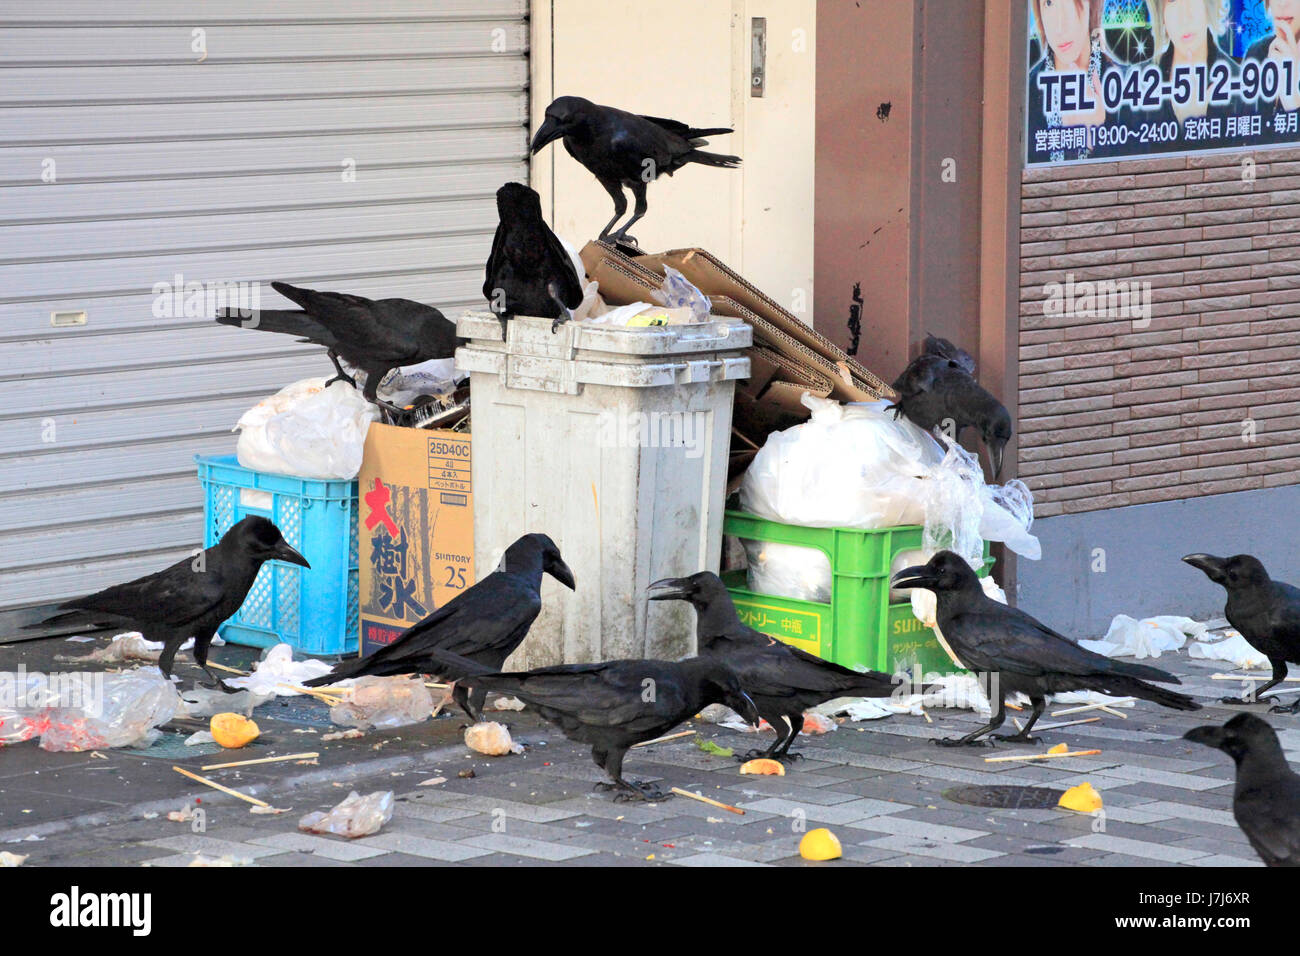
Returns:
(415,528)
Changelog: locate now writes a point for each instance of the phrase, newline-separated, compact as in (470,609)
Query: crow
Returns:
(1266,798)
(1264,611)
(529,272)
(616,704)
(189,599)
(938,388)
(483,624)
(624,149)
(1017,653)
(375,336)
(782,681)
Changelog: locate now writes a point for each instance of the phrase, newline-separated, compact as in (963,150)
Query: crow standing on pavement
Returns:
(190,598)
(624,149)
(613,705)
(1264,611)
(529,272)
(782,681)
(1020,653)
(375,336)
(939,387)
(1266,798)
(482,625)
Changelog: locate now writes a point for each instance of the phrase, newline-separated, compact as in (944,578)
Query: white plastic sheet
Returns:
(1149,637)
(278,669)
(308,430)
(85,710)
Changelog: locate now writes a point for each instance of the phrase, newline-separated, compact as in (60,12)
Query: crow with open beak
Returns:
(189,599)
(783,681)
(1265,612)
(1266,796)
(938,390)
(1018,654)
(624,149)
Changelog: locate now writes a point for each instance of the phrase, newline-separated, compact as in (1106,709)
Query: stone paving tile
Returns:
(1181,781)
(1139,848)
(952,852)
(714,859)
(840,813)
(1227,846)
(1214,861)
(523,846)
(320,846)
(1189,811)
(213,847)
(483,804)
(916,829)
(423,847)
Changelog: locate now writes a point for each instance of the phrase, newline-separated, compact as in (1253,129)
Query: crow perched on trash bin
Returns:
(1264,611)
(483,624)
(616,704)
(938,388)
(1017,653)
(529,272)
(189,599)
(625,149)
(374,335)
(1266,796)
(782,681)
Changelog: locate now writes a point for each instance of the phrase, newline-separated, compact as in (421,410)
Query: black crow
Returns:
(483,624)
(375,336)
(1264,611)
(782,681)
(1266,798)
(624,149)
(939,389)
(620,703)
(528,271)
(1017,653)
(189,599)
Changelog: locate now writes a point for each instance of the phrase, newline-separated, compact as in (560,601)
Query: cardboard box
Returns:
(415,528)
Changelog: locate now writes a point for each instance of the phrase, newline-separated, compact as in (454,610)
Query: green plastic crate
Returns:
(859,628)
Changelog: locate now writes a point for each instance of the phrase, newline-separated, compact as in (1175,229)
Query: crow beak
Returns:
(741,704)
(1210,736)
(996,451)
(548,132)
(915,577)
(287,554)
(668,589)
(1212,566)
(562,573)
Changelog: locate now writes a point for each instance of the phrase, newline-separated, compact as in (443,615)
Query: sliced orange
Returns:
(763,765)
(233,730)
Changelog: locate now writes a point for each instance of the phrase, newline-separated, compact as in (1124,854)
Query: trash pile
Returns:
(85,710)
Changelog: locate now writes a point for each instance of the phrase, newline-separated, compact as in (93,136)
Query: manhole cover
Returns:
(1006,797)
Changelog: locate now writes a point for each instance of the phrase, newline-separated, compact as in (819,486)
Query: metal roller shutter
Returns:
(145,139)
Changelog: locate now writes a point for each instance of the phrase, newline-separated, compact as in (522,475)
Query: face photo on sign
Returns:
(1071,41)
(1281,45)
(1184,34)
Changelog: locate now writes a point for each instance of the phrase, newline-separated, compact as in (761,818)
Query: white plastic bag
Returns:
(308,430)
(384,702)
(356,816)
(1150,637)
(273,674)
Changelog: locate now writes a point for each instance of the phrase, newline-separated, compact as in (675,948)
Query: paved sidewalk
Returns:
(879,785)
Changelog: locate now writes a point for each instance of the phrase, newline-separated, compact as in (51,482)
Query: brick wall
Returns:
(1115,413)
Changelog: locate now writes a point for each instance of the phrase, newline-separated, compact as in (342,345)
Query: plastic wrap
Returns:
(356,816)
(384,702)
(85,710)
(307,430)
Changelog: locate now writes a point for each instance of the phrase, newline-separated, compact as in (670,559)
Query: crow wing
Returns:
(1270,817)
(173,597)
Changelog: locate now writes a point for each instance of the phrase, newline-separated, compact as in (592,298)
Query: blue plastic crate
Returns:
(313,610)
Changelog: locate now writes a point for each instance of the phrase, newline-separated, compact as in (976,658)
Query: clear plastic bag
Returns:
(308,430)
(384,702)
(356,816)
(85,710)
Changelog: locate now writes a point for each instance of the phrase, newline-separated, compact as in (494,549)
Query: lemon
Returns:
(820,844)
(1081,799)
(233,730)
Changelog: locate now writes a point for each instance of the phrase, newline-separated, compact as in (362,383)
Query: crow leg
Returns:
(627,789)
(342,376)
(371,394)
(1023,737)
(795,726)
(169,655)
(1279,675)
(638,190)
(758,753)
(201,645)
(615,189)
(972,738)
(477,698)
(462,697)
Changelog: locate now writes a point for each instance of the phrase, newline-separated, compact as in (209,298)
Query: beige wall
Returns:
(689,60)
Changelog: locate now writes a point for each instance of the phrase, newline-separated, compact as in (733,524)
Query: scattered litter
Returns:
(352,734)
(249,763)
(268,810)
(304,730)
(1058,749)
(181,816)
(1109,706)
(149,815)
(221,861)
(467,774)
(1149,637)
(200,702)
(130,646)
(216,786)
(660,740)
(382,702)
(233,731)
(432,782)
(711,802)
(200,737)
(816,724)
(79,711)
(508,703)
(356,816)
(492,739)
(277,668)
(11,859)
(1232,647)
(1081,799)
(709,747)
(1047,756)
(820,845)
(79,639)
(763,766)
